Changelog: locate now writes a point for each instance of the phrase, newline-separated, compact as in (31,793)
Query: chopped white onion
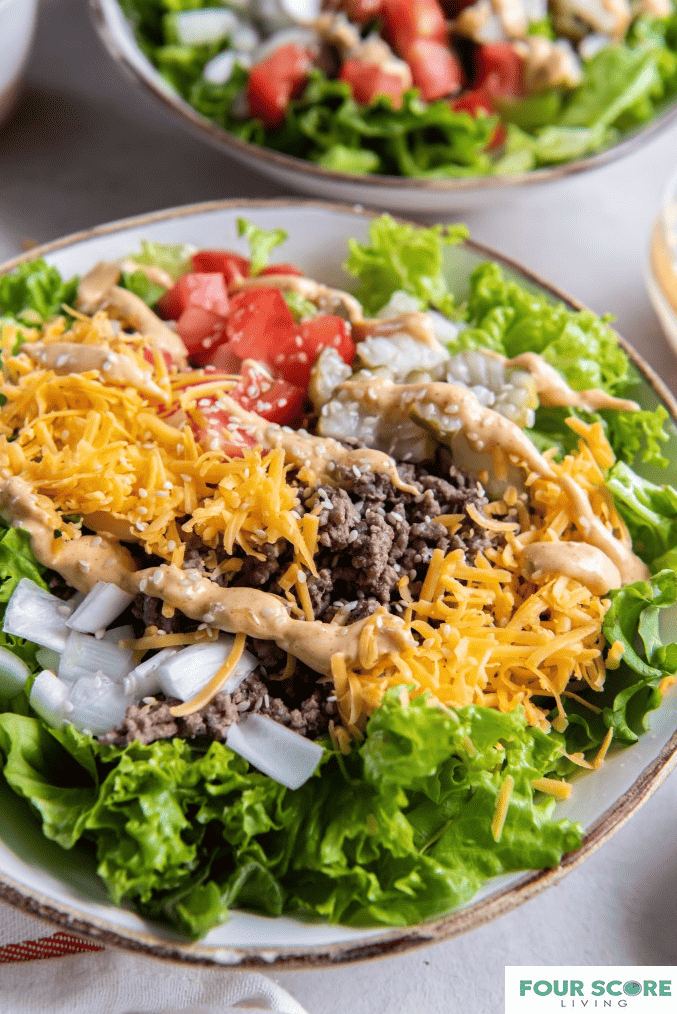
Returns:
(48,658)
(244,40)
(400,302)
(144,680)
(117,634)
(201,27)
(445,330)
(97,704)
(37,615)
(13,672)
(283,755)
(84,655)
(101,606)
(49,697)
(219,69)
(191,669)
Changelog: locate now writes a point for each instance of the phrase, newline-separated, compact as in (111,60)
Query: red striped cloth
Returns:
(55,946)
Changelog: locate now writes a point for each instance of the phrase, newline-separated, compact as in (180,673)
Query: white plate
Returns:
(41,878)
(397,193)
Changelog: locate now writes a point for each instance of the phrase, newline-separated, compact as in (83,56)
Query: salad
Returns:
(432,89)
(316,602)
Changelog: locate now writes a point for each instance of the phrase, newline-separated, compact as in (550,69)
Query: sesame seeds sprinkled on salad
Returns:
(421,615)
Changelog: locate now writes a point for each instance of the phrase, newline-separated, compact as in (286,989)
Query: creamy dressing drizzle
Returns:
(88,559)
(318,454)
(488,430)
(98,290)
(74,357)
(324,297)
(553,389)
(579,560)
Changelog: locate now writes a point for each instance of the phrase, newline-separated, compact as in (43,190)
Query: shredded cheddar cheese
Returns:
(487,636)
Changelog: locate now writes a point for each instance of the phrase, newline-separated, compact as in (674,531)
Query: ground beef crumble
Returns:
(371,534)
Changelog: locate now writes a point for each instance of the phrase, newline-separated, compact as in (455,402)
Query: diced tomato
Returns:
(499,69)
(363,10)
(206,290)
(230,265)
(436,71)
(202,331)
(281,269)
(405,21)
(275,81)
(368,80)
(274,399)
(224,359)
(474,100)
(221,431)
(295,361)
(260,324)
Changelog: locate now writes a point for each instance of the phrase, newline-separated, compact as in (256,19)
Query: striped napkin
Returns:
(89,979)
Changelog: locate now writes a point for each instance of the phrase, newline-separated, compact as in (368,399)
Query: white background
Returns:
(82,149)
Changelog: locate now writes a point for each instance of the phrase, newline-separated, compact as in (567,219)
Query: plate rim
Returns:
(401,939)
(221,139)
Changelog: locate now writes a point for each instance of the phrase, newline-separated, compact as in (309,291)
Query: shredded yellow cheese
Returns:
(553,787)
(502,804)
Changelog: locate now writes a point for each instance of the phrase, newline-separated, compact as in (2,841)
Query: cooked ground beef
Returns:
(152,719)
(371,534)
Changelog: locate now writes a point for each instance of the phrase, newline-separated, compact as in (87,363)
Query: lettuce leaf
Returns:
(508,318)
(261,242)
(399,256)
(649,511)
(35,291)
(396,832)
(174,258)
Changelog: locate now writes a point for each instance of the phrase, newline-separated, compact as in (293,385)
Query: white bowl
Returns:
(661,264)
(295,174)
(17,27)
(41,878)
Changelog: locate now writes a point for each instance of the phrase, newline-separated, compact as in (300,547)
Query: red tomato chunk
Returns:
(205,289)
(230,265)
(368,81)
(436,72)
(405,21)
(275,81)
(295,361)
(260,324)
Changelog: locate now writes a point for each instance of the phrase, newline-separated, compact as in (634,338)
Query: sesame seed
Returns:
(301,577)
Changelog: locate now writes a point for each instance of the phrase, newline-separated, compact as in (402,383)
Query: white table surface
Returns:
(82,149)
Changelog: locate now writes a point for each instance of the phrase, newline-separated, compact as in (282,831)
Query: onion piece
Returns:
(84,656)
(117,634)
(283,755)
(144,680)
(220,67)
(97,704)
(191,669)
(13,673)
(101,606)
(49,697)
(37,615)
